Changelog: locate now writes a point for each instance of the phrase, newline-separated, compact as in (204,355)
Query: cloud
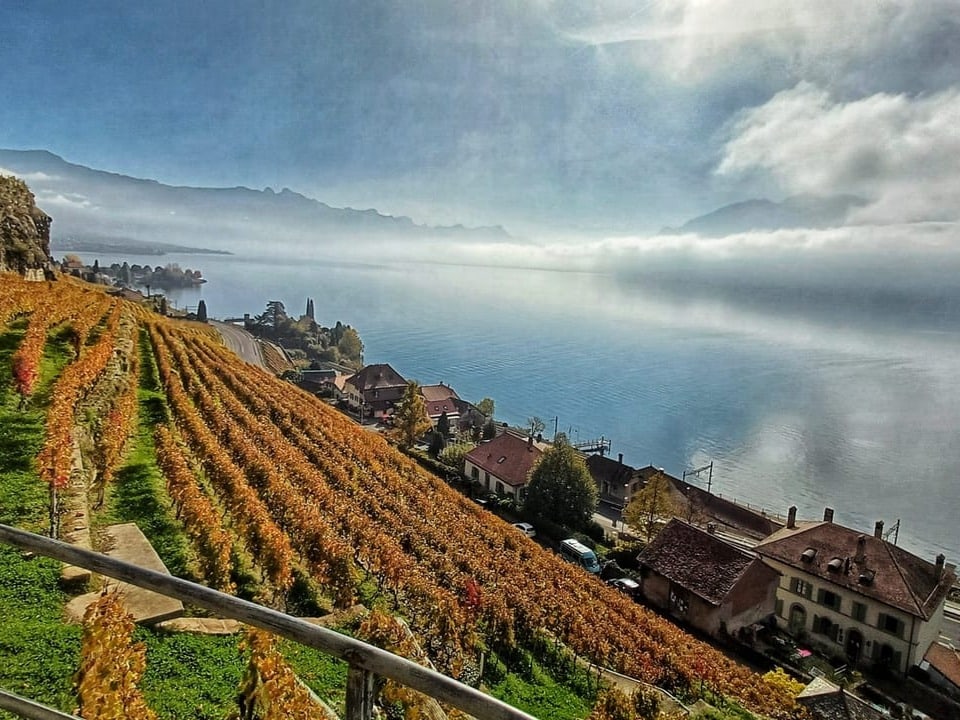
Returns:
(67,200)
(898,150)
(29,177)
(691,41)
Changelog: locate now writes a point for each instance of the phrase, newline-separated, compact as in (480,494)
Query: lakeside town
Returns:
(843,608)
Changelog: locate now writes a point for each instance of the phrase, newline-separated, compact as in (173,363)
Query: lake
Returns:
(796,400)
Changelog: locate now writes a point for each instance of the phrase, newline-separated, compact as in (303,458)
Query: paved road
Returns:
(240,341)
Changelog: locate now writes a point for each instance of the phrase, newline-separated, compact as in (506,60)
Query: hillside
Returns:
(267,492)
(24,229)
(797,211)
(109,209)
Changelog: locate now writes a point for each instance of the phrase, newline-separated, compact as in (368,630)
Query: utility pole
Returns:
(696,472)
(556,420)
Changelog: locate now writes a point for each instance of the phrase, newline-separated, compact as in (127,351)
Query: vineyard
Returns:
(255,467)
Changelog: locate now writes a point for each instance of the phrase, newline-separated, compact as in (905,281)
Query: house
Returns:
(502,465)
(942,665)
(440,399)
(856,596)
(825,701)
(616,482)
(704,581)
(374,391)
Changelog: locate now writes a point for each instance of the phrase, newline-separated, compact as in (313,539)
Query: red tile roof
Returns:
(377,377)
(507,457)
(945,660)
(898,578)
(438,393)
(696,560)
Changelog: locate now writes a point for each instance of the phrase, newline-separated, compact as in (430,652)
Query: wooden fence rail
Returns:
(365,660)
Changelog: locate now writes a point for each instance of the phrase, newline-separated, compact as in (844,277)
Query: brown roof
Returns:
(614,472)
(438,393)
(507,457)
(377,377)
(945,660)
(826,701)
(439,399)
(897,578)
(696,560)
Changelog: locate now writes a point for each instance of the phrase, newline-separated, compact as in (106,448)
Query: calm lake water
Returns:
(794,401)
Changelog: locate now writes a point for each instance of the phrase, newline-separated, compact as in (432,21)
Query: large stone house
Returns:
(503,465)
(856,596)
(704,581)
(374,391)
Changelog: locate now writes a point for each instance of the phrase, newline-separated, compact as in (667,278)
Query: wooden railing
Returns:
(365,661)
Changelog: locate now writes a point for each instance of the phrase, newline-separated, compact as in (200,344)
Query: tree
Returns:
(310,309)
(653,501)
(411,419)
(202,311)
(350,346)
(489,430)
(486,407)
(561,489)
(96,266)
(536,425)
(443,424)
(452,455)
(163,306)
(273,319)
(437,443)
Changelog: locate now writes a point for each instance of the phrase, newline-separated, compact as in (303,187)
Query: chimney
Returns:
(878,529)
(792,517)
(620,458)
(941,559)
(861,549)
(828,515)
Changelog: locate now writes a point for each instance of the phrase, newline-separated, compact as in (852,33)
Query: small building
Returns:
(503,465)
(374,391)
(825,701)
(942,665)
(856,596)
(700,579)
(440,399)
(616,482)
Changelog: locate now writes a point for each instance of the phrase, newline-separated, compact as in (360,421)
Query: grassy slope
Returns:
(38,654)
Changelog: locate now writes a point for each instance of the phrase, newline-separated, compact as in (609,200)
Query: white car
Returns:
(526,528)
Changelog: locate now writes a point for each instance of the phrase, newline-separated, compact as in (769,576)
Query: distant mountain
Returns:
(798,211)
(93,204)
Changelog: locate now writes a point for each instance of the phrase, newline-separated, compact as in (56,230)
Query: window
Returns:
(830,599)
(801,587)
(499,488)
(859,611)
(824,626)
(890,624)
(475,473)
(779,608)
(679,602)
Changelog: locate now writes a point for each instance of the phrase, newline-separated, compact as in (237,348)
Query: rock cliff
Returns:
(24,230)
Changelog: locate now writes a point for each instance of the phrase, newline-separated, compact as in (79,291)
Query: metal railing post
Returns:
(29,709)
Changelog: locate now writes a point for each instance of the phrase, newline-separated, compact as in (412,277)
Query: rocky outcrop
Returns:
(24,230)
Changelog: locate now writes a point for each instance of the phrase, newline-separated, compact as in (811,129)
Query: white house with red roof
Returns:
(503,465)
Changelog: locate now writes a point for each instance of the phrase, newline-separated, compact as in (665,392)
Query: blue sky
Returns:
(594,117)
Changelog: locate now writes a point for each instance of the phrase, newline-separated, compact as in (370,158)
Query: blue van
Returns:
(578,553)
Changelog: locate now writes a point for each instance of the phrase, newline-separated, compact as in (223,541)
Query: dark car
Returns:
(628,586)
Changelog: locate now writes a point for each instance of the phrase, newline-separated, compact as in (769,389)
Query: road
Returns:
(240,341)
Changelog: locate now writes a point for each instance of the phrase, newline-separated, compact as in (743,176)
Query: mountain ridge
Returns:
(761,214)
(92,201)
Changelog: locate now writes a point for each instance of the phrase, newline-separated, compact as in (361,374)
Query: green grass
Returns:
(38,654)
(529,686)
(138,493)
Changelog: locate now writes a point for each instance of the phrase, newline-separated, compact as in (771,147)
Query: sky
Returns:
(566,116)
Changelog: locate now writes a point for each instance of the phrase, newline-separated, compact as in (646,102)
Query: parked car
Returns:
(628,586)
(526,528)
